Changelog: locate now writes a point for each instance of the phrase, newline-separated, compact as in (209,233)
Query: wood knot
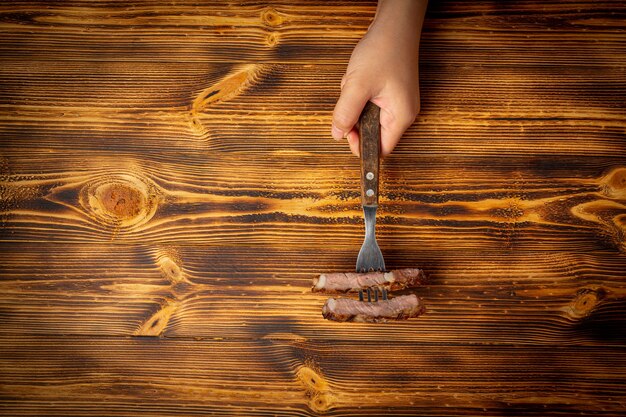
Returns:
(271,39)
(157,322)
(311,380)
(584,303)
(169,264)
(317,390)
(170,269)
(121,201)
(321,402)
(610,215)
(234,84)
(271,18)
(614,183)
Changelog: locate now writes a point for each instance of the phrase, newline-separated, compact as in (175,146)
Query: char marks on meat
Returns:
(352,281)
(398,308)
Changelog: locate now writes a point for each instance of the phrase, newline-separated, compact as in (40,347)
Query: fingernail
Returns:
(337,134)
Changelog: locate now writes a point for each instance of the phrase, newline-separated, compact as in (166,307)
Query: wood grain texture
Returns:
(445,202)
(169,188)
(79,376)
(467,109)
(577,32)
(538,298)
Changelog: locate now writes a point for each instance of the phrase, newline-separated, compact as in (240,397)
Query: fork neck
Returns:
(370,221)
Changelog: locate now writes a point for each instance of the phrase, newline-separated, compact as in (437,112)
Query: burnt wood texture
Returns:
(169,189)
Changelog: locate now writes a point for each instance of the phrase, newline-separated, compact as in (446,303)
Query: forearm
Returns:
(401,19)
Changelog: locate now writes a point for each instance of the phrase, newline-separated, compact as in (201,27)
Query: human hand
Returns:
(383,69)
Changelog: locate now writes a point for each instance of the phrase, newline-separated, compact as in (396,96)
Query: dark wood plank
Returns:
(189,31)
(77,376)
(555,33)
(581,32)
(261,108)
(446,202)
(556,298)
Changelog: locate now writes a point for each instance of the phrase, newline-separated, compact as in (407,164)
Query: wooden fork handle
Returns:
(369,145)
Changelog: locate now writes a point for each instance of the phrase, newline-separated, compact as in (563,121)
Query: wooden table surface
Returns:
(169,188)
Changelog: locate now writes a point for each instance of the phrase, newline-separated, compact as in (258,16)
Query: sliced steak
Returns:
(398,308)
(353,281)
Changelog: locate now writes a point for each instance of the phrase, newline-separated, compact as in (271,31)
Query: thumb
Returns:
(348,108)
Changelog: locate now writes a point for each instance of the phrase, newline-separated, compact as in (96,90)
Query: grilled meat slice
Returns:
(352,281)
(398,308)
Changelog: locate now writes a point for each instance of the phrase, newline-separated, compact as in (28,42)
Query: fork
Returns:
(370,257)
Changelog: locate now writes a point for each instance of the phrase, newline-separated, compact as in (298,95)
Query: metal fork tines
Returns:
(383,292)
(370,257)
